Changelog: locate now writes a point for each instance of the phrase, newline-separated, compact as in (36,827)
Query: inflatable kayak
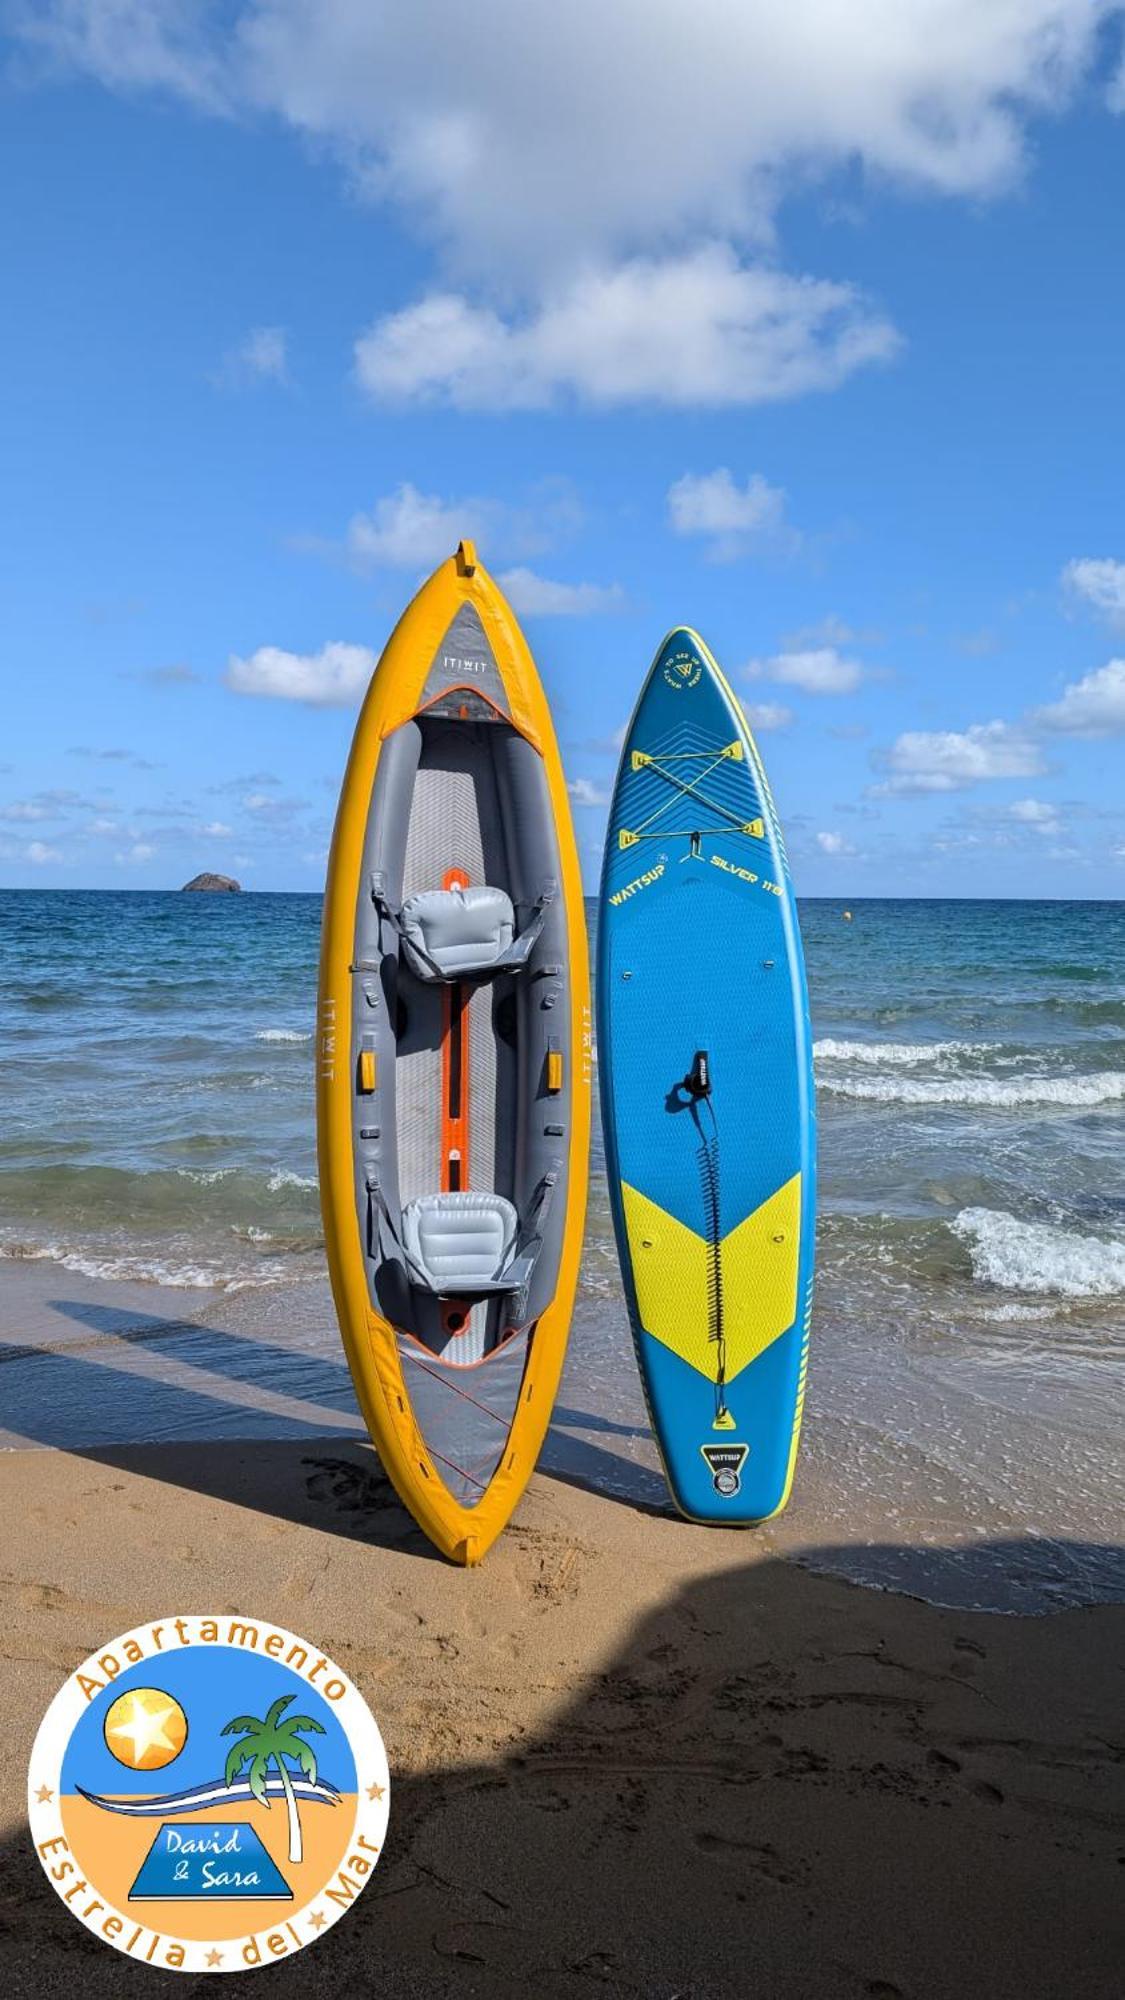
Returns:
(704,1056)
(453,1060)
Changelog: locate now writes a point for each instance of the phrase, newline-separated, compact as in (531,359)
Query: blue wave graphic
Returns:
(213,1793)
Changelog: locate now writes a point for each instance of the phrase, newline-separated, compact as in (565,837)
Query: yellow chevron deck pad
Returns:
(759,1260)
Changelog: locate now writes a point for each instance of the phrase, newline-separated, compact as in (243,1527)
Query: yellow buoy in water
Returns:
(847,916)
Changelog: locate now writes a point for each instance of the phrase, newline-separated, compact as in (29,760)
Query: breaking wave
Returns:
(1019,1256)
(990,1093)
(894,1055)
(131,1267)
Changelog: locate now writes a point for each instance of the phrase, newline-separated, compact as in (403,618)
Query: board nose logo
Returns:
(682,670)
(725,1463)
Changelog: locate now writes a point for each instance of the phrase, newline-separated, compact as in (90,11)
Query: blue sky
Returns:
(803,331)
(244,1684)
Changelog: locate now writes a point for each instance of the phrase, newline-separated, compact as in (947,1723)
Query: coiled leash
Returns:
(697,1084)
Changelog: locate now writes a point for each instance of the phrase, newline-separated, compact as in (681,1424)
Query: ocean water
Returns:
(970,1318)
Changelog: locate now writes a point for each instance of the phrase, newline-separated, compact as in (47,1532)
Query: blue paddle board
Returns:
(705,1065)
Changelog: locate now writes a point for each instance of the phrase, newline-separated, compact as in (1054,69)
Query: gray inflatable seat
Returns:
(460,932)
(459,1242)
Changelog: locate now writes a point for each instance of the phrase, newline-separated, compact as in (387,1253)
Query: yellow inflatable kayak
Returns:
(453,1060)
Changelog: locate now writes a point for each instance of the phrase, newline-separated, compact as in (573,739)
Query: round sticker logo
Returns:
(208,1794)
(682,670)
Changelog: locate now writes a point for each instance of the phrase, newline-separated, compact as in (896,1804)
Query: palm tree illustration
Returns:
(270,1742)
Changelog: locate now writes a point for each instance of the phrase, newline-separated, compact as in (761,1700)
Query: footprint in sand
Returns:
(941,1761)
(345,1488)
(762,1857)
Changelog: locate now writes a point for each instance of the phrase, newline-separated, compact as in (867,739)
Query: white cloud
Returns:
(40,855)
(821,670)
(767,714)
(129,45)
(1036,814)
(1100,581)
(333,678)
(261,357)
(215,829)
(1093,706)
(946,760)
(26,809)
(52,804)
(587,792)
(273,810)
(730,517)
(520,145)
(535,596)
(829,631)
(949,760)
(140,852)
(518,155)
(834,844)
(412,530)
(699,328)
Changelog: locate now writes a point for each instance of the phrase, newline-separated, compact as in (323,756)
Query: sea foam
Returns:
(1023,1256)
(146,1270)
(990,1093)
(894,1055)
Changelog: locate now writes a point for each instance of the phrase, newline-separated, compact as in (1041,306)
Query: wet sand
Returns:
(86,1362)
(629,1756)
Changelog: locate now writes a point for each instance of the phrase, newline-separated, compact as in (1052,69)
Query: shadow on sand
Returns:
(781,1787)
(155,1394)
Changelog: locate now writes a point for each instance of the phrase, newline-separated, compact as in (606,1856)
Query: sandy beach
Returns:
(628,1756)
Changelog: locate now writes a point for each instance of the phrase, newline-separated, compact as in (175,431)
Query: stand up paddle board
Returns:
(704,1056)
(453,1060)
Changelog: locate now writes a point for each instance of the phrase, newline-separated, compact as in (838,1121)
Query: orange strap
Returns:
(455,1071)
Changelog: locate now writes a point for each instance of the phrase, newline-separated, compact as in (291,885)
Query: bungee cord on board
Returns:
(643,761)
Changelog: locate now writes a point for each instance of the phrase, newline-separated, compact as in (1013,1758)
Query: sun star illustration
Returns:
(145,1729)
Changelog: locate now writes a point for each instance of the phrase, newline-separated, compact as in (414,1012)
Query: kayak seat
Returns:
(459,1243)
(456,933)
